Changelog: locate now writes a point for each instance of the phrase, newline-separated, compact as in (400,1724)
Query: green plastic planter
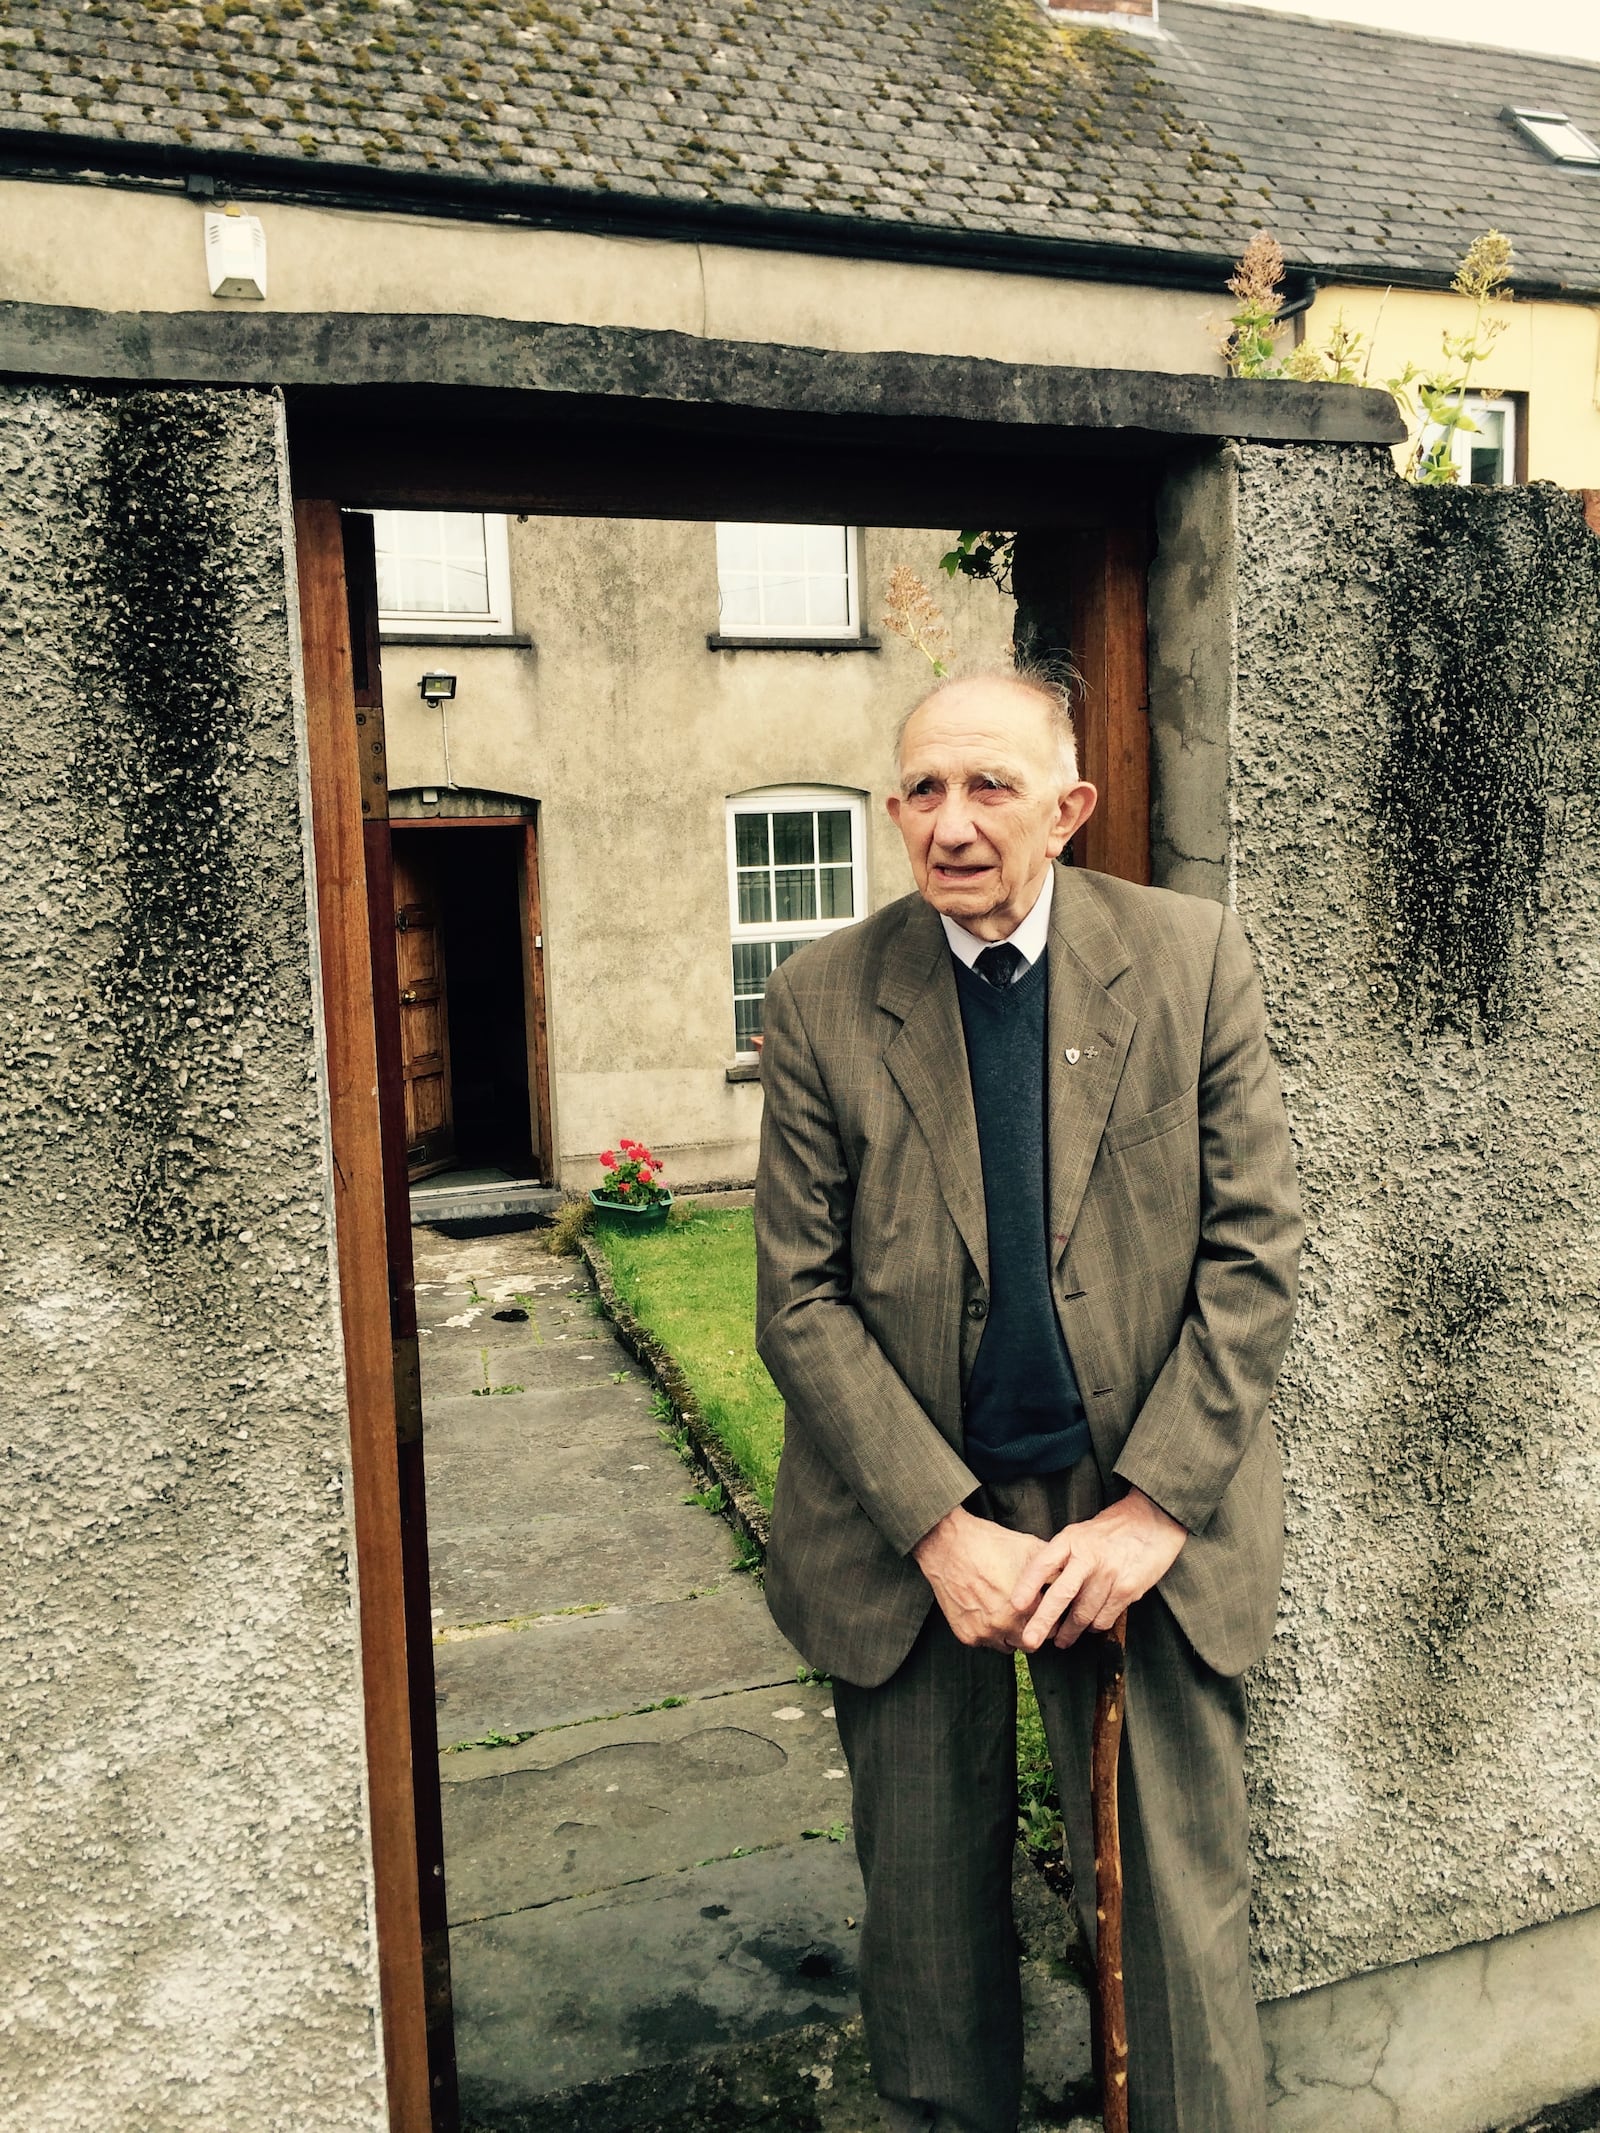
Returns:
(616,1214)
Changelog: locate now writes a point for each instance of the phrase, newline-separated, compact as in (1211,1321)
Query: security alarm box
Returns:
(236,255)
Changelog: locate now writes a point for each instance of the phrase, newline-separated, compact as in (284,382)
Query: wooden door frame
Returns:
(1107,630)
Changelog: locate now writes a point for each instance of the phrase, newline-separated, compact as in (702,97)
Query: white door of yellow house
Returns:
(424,1021)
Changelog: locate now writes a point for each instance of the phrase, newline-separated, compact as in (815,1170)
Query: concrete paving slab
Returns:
(539,1424)
(537,1564)
(454,1357)
(562,1668)
(681,1968)
(593,1807)
(658,1971)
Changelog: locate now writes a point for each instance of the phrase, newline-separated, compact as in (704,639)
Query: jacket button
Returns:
(977,1308)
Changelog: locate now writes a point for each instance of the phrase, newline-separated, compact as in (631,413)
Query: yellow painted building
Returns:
(1536,400)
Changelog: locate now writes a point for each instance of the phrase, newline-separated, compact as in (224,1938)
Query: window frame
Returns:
(796,633)
(496,621)
(790,800)
(1527,121)
(1475,405)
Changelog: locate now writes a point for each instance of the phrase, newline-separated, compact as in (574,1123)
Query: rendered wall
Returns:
(1414,744)
(128,250)
(185,1919)
(632,735)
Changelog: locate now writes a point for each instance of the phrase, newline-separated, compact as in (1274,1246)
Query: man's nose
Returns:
(952,825)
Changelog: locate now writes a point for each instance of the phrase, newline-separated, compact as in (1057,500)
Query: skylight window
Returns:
(1555,133)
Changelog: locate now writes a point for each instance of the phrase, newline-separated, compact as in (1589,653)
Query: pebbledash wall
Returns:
(185,1917)
(1377,722)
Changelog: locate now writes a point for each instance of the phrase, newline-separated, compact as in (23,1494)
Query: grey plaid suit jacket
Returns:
(1176,1230)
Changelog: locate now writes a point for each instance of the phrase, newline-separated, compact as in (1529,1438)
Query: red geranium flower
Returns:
(608,1161)
(645,1173)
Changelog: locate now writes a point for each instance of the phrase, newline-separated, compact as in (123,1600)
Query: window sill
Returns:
(513,640)
(715,643)
(743,1070)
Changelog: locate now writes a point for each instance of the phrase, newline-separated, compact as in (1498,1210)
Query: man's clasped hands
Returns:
(1009,1591)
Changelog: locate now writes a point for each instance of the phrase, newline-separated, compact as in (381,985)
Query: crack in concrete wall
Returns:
(184,1887)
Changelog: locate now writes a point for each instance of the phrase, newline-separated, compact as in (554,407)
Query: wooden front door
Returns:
(424,1022)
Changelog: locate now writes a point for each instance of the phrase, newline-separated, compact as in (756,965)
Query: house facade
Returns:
(701,715)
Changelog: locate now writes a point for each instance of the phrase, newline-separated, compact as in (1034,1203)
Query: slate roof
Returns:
(1364,151)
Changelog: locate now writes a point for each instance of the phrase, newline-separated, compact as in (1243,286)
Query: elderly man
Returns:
(1028,1229)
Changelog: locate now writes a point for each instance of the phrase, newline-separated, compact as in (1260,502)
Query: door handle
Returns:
(407,998)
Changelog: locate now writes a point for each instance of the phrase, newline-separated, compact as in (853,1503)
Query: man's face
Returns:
(983,805)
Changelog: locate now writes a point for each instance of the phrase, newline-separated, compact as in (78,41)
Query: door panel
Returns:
(424,1012)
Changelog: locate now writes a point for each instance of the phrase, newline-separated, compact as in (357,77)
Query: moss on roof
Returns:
(977,115)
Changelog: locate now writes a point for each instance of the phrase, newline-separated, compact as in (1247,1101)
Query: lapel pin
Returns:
(1071,1057)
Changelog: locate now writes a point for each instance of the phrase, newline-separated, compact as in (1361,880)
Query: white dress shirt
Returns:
(1030,939)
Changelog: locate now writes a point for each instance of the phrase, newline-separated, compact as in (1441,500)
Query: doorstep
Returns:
(442,1202)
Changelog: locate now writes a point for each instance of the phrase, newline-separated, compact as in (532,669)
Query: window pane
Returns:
(736,548)
(461,536)
(741,601)
(466,589)
(1487,447)
(783,600)
(746,1023)
(751,962)
(755,899)
(431,562)
(783,579)
(782,950)
(750,840)
(838,893)
(796,894)
(830,601)
(825,550)
(791,840)
(419,585)
(833,836)
(783,551)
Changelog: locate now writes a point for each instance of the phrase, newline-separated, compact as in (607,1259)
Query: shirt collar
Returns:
(1030,939)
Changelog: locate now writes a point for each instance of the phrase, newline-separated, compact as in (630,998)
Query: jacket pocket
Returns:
(1149,1125)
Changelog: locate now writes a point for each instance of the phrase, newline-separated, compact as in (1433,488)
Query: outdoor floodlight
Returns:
(437,688)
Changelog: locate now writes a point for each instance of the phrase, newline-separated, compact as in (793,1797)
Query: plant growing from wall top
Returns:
(1433,401)
(1482,279)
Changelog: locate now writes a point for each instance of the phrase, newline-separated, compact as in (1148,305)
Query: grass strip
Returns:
(693,1286)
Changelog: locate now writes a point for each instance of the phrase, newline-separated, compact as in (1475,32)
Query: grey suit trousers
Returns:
(933,1766)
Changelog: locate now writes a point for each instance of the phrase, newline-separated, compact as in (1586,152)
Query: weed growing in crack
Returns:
(486,1391)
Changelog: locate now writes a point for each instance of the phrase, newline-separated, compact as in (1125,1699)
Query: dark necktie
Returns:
(1001,964)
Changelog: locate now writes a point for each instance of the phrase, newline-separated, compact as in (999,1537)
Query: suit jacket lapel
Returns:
(928,1058)
(1090,1032)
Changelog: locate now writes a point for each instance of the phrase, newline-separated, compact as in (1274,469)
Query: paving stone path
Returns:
(630,1759)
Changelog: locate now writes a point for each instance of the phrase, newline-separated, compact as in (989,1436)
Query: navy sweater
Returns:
(1024,1414)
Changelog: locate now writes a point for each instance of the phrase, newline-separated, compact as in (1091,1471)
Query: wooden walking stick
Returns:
(1110,2004)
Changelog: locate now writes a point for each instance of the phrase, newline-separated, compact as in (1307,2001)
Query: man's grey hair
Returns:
(1053,690)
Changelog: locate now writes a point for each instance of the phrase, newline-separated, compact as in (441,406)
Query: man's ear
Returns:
(1077,805)
(893,805)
